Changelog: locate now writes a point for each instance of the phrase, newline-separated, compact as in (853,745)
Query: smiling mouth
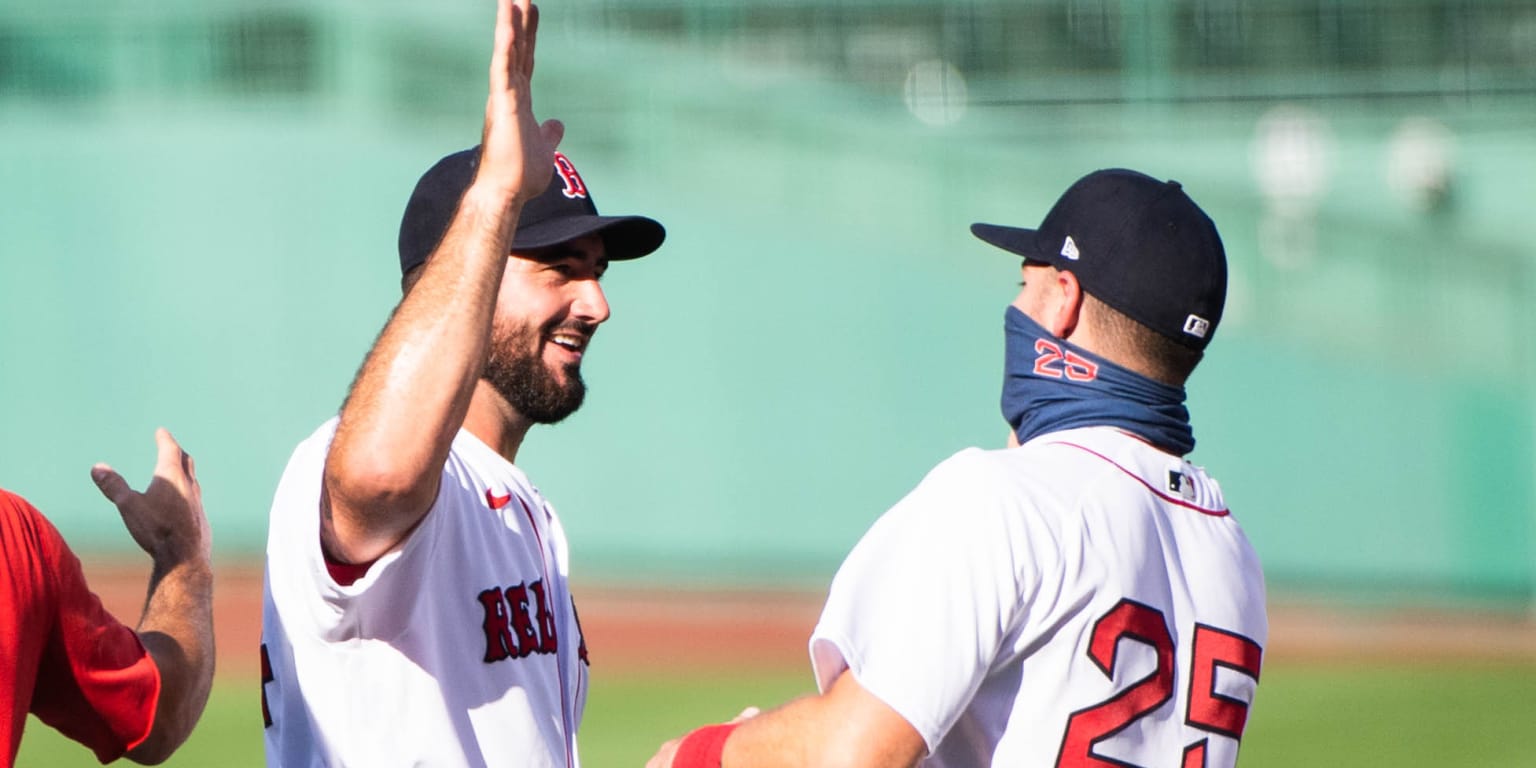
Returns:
(573,342)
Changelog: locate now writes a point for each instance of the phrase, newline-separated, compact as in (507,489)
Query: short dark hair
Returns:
(1138,347)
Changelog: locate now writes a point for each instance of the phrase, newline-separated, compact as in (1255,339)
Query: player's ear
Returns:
(1066,305)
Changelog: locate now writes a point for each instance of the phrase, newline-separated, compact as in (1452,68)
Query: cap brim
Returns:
(624,237)
(1011,239)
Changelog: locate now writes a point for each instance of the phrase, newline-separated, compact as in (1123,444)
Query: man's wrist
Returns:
(193,564)
(704,747)
(491,207)
(489,198)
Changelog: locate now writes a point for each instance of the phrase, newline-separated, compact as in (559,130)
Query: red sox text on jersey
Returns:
(511,629)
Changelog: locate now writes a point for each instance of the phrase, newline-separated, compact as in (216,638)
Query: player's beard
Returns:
(516,369)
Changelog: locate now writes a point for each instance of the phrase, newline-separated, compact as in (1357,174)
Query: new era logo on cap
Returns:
(1069,249)
(1156,256)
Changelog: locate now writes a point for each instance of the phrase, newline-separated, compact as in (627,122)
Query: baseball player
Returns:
(117,690)
(1082,598)
(417,610)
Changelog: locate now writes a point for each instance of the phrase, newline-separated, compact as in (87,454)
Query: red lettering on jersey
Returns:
(511,629)
(574,186)
(1134,622)
(522,620)
(1209,709)
(498,635)
(550,642)
(1194,754)
(266,677)
(581,637)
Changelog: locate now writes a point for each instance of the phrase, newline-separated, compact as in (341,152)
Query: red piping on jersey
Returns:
(1155,492)
(566,716)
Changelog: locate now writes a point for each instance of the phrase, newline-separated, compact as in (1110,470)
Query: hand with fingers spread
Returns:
(121,691)
(167,519)
(517,154)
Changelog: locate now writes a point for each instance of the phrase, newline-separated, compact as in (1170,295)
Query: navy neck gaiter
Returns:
(1051,385)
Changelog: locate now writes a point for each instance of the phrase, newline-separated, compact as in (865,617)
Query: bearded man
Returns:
(417,610)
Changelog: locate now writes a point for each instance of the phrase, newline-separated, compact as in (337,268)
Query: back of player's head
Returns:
(1139,246)
(563,212)
(1138,347)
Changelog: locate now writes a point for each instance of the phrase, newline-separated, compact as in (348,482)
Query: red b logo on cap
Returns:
(574,186)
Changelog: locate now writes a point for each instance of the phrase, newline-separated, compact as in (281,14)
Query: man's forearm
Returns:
(415,386)
(177,630)
(846,727)
(812,732)
(791,735)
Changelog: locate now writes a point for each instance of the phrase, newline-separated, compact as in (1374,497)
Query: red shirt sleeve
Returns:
(94,681)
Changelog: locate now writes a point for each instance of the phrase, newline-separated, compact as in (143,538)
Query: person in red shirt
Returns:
(117,690)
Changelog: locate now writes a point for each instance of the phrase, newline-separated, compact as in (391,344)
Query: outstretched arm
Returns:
(414,388)
(845,727)
(168,522)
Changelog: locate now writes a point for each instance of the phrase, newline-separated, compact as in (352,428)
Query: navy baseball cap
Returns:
(1138,244)
(564,211)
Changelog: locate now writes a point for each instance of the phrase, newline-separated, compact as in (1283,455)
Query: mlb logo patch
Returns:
(1178,483)
(1197,326)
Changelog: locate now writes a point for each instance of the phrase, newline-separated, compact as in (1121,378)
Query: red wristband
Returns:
(703,747)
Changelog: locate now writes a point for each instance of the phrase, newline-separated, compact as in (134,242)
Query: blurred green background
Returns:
(199,204)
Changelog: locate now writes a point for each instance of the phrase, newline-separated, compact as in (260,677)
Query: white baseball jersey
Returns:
(1082,600)
(462,648)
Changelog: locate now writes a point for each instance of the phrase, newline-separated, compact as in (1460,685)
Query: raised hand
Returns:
(517,152)
(167,519)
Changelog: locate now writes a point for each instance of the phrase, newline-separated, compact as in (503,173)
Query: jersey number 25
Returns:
(1208,710)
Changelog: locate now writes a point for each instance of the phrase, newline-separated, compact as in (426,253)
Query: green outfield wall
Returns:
(199,203)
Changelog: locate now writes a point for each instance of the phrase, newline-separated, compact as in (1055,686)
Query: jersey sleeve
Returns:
(920,607)
(96,683)
(375,603)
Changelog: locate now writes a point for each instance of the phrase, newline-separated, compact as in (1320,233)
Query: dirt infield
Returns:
(625,628)
(660,629)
